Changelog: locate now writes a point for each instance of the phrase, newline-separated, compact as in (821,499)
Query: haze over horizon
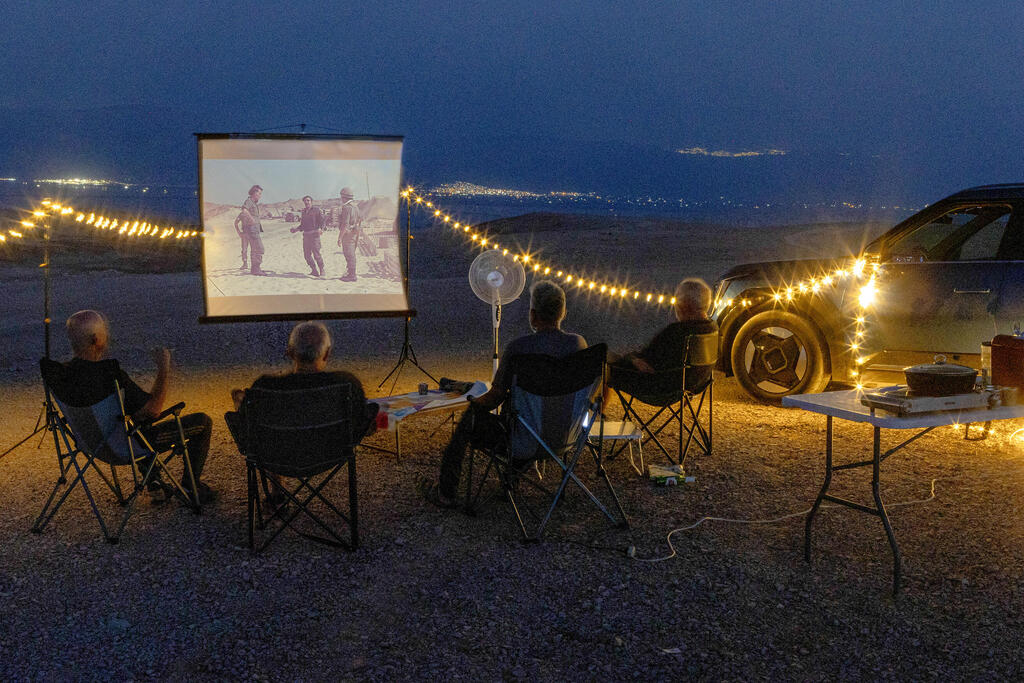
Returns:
(897,103)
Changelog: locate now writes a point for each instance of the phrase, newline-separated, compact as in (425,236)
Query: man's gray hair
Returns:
(83,327)
(309,342)
(693,294)
(547,300)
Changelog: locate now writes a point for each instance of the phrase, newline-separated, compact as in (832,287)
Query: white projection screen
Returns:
(325,242)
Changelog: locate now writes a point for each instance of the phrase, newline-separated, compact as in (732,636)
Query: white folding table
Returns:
(846,405)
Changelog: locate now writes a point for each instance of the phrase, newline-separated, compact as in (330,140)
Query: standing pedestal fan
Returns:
(498,280)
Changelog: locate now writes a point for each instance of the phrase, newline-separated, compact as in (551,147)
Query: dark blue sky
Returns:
(943,79)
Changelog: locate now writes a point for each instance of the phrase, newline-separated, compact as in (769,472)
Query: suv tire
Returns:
(778,353)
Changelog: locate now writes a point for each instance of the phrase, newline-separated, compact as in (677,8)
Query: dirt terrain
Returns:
(437,594)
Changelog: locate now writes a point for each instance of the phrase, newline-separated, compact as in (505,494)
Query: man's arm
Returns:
(158,394)
(496,395)
(238,219)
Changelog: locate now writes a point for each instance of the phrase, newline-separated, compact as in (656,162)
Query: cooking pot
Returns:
(940,378)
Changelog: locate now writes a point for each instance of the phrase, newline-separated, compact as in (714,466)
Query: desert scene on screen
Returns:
(378,270)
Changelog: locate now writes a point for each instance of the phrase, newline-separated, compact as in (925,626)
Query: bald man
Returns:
(90,378)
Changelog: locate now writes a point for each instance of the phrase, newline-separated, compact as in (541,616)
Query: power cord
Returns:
(631,550)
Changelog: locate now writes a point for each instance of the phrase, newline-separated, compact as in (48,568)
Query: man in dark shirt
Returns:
(90,377)
(478,424)
(309,347)
(665,351)
(311,226)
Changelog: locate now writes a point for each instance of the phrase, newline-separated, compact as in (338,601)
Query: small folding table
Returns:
(846,405)
(394,409)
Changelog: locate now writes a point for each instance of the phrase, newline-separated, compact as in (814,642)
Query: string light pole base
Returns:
(407,354)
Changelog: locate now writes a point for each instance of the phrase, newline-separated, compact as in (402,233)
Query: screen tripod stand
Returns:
(407,354)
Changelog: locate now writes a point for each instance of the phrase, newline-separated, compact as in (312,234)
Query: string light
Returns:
(606,288)
(124,227)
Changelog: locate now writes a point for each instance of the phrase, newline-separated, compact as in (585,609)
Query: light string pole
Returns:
(407,353)
(47,420)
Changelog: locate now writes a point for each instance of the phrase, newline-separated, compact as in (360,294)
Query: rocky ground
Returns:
(439,594)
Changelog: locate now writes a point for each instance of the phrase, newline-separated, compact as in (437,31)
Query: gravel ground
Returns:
(438,594)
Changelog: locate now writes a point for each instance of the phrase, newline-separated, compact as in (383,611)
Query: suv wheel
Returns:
(777,353)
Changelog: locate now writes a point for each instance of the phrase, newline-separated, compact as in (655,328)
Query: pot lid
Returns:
(941,367)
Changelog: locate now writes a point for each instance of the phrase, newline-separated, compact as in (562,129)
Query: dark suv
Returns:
(942,281)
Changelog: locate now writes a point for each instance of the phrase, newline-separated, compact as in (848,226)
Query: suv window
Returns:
(964,234)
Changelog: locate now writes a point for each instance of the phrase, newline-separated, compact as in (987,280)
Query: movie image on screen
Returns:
(300,225)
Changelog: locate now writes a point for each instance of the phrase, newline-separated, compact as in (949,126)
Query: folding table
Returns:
(846,405)
(394,409)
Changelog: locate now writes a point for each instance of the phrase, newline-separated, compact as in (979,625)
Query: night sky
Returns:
(943,79)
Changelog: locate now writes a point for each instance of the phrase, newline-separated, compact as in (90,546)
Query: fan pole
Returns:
(496,321)
(407,354)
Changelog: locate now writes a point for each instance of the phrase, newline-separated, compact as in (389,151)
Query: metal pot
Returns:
(940,378)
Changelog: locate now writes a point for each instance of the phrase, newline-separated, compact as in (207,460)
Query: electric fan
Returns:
(496,279)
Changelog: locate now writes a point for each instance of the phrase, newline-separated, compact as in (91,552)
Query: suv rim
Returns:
(775,360)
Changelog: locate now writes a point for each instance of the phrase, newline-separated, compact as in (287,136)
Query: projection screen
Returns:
(300,226)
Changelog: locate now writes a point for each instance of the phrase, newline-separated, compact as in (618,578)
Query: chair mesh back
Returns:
(702,349)
(100,429)
(552,395)
(297,430)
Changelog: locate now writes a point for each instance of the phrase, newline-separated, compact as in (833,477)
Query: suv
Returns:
(944,280)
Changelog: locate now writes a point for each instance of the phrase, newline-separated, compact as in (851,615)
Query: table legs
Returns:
(876,466)
(879,510)
(822,492)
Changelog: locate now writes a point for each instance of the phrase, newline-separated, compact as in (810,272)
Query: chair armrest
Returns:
(175,409)
(629,370)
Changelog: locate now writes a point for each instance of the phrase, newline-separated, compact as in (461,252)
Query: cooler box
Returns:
(1008,361)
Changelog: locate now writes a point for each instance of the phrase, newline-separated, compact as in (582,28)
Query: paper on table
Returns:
(479,388)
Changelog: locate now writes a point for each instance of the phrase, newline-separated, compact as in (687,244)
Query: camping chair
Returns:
(666,391)
(552,405)
(307,435)
(102,433)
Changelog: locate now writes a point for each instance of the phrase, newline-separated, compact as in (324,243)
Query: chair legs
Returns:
(512,477)
(300,498)
(81,462)
(684,414)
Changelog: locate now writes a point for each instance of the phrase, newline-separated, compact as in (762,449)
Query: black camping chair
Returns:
(552,405)
(102,433)
(308,436)
(676,404)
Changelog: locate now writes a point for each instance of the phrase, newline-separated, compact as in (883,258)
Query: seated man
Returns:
(478,424)
(665,351)
(309,347)
(90,379)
